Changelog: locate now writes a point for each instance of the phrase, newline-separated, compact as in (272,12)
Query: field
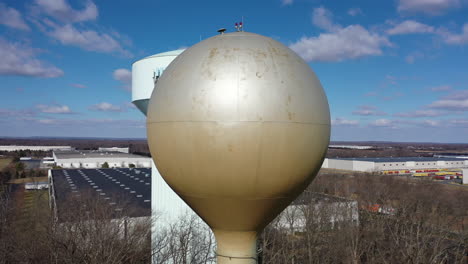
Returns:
(30,206)
(25,180)
(4,162)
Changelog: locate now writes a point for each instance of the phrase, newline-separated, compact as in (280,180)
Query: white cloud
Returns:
(368,110)
(410,27)
(420,113)
(130,105)
(459,122)
(61,10)
(344,122)
(430,7)
(11,113)
(456,101)
(58,20)
(351,42)
(106,107)
(125,77)
(382,123)
(87,39)
(441,88)
(355,11)
(18,59)
(431,123)
(54,109)
(453,38)
(47,121)
(322,18)
(457,105)
(411,58)
(12,18)
(457,95)
(92,123)
(339,43)
(287,2)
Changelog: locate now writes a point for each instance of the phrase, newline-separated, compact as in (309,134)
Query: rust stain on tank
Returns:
(276,51)
(213,52)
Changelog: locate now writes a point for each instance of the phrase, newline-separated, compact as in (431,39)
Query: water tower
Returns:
(167,207)
(238,126)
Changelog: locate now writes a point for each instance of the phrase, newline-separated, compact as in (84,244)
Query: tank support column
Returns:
(236,247)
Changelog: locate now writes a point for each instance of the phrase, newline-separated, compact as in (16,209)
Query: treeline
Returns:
(16,155)
(420,222)
(89,231)
(18,170)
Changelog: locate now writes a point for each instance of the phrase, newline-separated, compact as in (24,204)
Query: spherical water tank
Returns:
(238,126)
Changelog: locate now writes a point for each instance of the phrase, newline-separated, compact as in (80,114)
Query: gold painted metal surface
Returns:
(238,126)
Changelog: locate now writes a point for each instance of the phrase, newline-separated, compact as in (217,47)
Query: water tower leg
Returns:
(236,247)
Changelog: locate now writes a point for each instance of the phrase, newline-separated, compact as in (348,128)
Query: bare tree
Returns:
(187,241)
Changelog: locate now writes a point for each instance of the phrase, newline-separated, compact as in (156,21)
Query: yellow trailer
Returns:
(420,174)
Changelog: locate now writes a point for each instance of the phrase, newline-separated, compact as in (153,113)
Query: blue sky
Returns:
(392,70)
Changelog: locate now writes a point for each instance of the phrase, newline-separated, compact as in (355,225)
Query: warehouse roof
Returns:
(118,187)
(402,159)
(80,154)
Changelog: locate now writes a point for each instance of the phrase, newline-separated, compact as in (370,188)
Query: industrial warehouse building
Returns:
(96,159)
(398,163)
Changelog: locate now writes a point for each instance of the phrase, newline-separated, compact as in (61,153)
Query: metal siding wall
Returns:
(325,163)
(363,165)
(166,206)
(340,164)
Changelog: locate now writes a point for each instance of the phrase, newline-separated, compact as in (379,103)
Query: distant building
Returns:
(321,210)
(397,163)
(350,147)
(465,176)
(96,159)
(34,148)
(115,149)
(48,161)
(452,155)
(36,185)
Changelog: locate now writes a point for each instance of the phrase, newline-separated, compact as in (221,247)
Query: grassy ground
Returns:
(32,207)
(25,180)
(4,162)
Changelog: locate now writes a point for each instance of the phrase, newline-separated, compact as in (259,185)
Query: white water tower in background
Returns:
(144,74)
(166,206)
